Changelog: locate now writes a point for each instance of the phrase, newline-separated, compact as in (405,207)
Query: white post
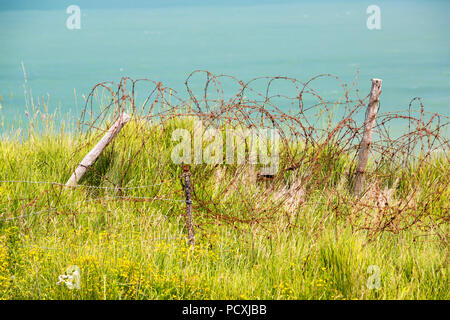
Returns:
(367,136)
(90,158)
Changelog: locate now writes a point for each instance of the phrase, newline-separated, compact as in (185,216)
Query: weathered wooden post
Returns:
(366,141)
(188,194)
(90,158)
(252,158)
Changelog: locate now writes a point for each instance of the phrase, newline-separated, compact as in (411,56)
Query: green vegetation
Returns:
(311,244)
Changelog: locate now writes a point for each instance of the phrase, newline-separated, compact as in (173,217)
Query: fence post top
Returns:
(377,81)
(125,117)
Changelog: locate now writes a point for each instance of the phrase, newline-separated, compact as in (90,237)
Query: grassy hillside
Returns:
(289,238)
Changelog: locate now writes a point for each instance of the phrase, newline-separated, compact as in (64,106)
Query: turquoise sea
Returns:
(165,41)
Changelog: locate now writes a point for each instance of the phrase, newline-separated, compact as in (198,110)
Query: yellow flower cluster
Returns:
(5,276)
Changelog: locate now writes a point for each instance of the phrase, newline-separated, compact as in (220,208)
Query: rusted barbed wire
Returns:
(320,135)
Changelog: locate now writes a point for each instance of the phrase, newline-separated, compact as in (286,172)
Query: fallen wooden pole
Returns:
(188,194)
(366,141)
(90,158)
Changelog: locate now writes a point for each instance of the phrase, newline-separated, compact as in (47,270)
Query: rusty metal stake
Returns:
(188,194)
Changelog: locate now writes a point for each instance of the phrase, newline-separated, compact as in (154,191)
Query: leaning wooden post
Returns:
(366,141)
(90,158)
(188,194)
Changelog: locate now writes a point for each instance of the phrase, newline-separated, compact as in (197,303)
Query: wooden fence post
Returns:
(252,158)
(366,141)
(90,158)
(188,194)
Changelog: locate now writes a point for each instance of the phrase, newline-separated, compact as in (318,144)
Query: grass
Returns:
(138,249)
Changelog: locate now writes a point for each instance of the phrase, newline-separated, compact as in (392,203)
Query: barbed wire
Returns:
(319,140)
(81,185)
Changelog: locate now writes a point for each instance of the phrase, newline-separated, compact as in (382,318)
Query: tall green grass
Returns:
(138,249)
